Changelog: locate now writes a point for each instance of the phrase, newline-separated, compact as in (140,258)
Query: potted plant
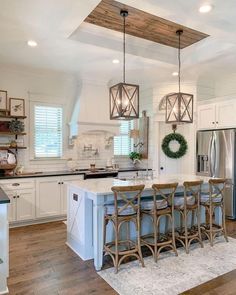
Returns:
(135,157)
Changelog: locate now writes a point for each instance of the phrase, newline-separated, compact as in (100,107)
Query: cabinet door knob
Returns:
(18,197)
(162,168)
(59,183)
(213,122)
(217,122)
(14,197)
(62,182)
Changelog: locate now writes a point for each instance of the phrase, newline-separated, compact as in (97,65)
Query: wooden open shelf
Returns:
(12,148)
(11,133)
(12,117)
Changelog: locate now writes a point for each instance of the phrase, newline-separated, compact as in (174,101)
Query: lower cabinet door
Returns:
(11,206)
(25,205)
(48,197)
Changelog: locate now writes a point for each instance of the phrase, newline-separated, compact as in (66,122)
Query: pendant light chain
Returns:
(179,33)
(124,47)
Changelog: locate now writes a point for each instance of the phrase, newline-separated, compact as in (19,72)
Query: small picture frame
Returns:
(3,101)
(17,107)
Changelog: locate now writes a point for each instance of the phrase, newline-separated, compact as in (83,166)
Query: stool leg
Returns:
(116,246)
(224,223)
(186,230)
(211,227)
(199,225)
(173,233)
(155,236)
(139,239)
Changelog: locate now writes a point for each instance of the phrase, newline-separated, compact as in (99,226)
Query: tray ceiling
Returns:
(142,24)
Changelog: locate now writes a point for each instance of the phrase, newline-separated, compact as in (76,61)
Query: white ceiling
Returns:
(65,44)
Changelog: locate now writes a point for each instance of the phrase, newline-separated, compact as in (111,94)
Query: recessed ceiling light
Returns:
(116,61)
(175,74)
(32,43)
(205,8)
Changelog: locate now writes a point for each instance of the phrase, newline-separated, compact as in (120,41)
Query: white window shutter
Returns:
(123,144)
(47,131)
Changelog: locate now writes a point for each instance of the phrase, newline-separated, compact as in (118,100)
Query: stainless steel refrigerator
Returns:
(216,158)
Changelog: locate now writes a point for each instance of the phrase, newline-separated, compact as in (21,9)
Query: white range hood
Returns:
(91,111)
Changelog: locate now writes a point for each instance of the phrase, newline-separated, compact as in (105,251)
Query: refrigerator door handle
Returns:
(210,159)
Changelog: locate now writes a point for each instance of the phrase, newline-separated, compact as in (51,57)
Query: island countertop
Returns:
(103,186)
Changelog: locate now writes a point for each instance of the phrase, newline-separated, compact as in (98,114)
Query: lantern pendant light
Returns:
(179,105)
(124,97)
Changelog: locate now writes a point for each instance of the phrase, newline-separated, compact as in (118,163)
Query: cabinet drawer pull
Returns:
(15,184)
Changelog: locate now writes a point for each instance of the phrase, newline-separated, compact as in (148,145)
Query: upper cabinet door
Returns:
(207,116)
(225,114)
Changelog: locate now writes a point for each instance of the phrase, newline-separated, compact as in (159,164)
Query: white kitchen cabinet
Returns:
(217,115)
(51,195)
(25,205)
(207,116)
(48,197)
(225,114)
(11,206)
(22,199)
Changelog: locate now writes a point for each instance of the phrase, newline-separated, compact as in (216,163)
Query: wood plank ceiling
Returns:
(142,24)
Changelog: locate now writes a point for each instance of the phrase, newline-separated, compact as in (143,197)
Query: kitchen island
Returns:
(85,213)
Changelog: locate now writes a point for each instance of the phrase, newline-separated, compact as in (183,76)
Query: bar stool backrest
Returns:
(192,188)
(164,192)
(216,188)
(127,197)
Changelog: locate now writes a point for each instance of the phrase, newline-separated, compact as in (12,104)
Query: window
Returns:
(123,144)
(47,131)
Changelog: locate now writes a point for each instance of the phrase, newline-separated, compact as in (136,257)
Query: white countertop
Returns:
(102,186)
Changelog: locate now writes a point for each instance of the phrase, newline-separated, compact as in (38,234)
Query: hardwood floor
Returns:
(41,263)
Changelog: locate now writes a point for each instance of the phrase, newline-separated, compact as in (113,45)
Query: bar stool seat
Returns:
(179,201)
(110,209)
(205,198)
(148,205)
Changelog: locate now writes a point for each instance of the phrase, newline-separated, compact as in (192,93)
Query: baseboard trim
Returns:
(36,221)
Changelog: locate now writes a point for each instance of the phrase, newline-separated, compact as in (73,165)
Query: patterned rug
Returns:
(172,275)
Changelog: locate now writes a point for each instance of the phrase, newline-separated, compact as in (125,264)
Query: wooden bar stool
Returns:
(190,203)
(126,209)
(212,200)
(161,205)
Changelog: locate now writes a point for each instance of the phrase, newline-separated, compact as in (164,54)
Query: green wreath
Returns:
(182,142)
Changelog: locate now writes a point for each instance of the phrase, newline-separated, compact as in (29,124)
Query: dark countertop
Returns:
(66,173)
(3,197)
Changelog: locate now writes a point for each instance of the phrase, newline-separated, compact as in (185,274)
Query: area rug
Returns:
(173,275)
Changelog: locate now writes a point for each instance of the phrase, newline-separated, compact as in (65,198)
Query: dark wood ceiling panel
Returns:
(142,24)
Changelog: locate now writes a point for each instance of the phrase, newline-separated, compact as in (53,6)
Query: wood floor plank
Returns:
(41,264)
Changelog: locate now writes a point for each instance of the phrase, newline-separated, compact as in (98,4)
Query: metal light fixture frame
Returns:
(179,105)
(124,97)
